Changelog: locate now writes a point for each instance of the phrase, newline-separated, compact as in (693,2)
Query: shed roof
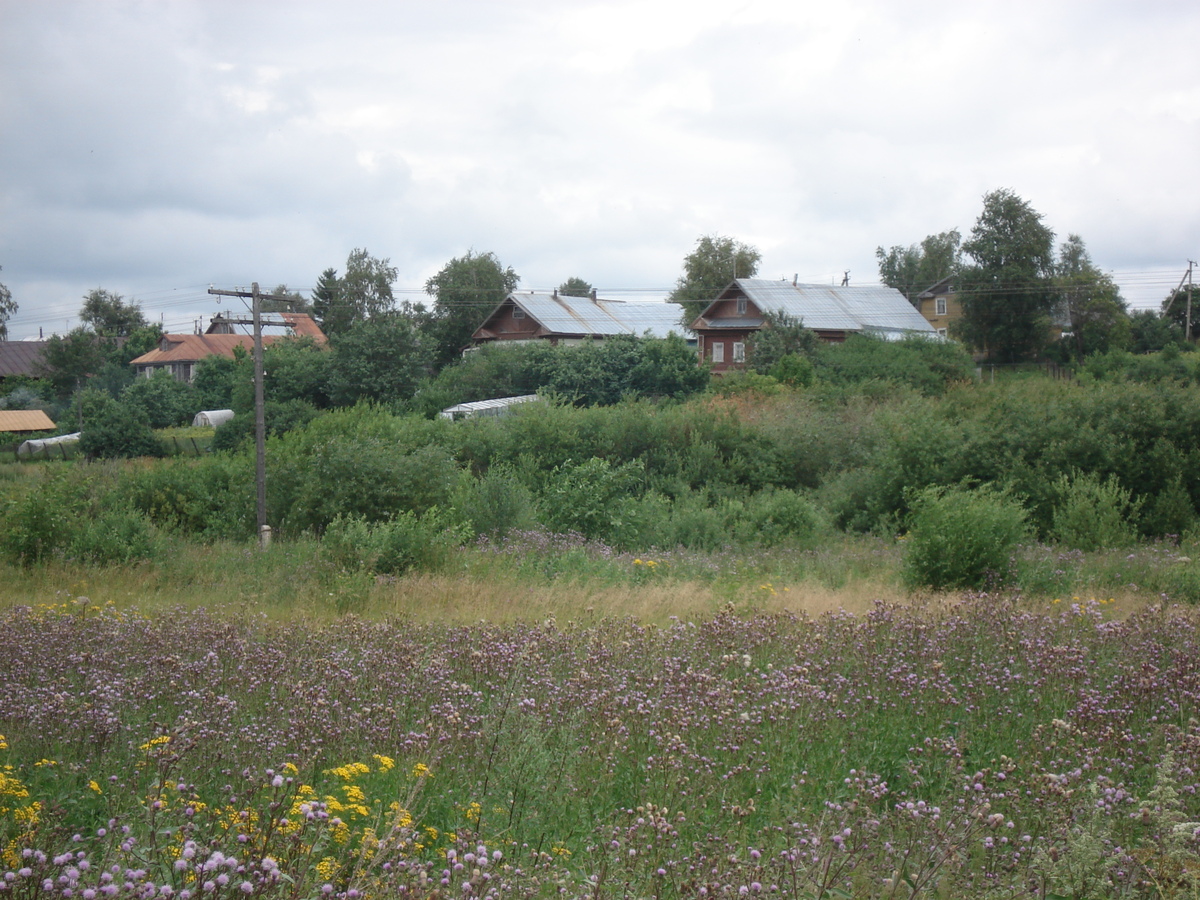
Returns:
(20,357)
(25,420)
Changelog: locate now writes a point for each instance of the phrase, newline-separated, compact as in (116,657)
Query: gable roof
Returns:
(874,309)
(20,357)
(559,314)
(25,420)
(173,348)
(178,348)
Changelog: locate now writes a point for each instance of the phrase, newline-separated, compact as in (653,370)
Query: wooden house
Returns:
(555,317)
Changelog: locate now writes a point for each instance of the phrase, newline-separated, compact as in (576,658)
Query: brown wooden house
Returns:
(833,312)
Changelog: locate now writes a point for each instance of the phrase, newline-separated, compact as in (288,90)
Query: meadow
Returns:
(706,649)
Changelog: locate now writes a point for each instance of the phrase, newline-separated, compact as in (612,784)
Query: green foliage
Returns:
(496,502)
(8,307)
(365,291)
(293,369)
(501,369)
(382,359)
(962,538)
(1007,293)
(209,499)
(794,370)
(575,287)
(114,429)
(359,477)
(776,515)
(930,366)
(708,270)
(214,380)
(115,537)
(918,267)
(1150,332)
(162,400)
(781,335)
(1097,314)
(1091,513)
(594,498)
(391,546)
(68,361)
(465,290)
(278,418)
(106,314)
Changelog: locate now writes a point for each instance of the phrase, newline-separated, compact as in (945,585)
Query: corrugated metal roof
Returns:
(494,407)
(585,316)
(20,357)
(25,420)
(192,347)
(835,308)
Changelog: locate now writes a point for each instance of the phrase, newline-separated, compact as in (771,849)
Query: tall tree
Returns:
(912,269)
(707,270)
(465,291)
(364,291)
(1091,302)
(1007,293)
(107,314)
(381,359)
(575,287)
(8,307)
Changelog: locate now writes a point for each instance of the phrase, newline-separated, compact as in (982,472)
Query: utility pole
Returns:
(260,422)
(1187,277)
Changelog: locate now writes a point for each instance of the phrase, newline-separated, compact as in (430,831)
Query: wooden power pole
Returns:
(260,421)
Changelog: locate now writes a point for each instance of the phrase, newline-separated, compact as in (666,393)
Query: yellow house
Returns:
(939,305)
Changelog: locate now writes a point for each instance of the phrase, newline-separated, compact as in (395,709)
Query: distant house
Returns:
(832,312)
(20,358)
(555,317)
(939,305)
(179,353)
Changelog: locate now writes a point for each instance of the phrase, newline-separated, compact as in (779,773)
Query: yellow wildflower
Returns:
(420,770)
(386,763)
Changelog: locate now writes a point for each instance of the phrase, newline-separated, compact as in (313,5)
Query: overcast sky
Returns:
(154,148)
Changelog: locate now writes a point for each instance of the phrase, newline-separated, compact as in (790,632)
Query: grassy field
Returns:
(978,746)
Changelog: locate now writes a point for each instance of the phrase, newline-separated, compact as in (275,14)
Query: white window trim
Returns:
(739,352)
(939,306)
(741,306)
(718,351)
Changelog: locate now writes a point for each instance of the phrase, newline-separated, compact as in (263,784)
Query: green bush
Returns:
(593,498)
(369,478)
(393,546)
(494,503)
(116,430)
(1093,514)
(775,515)
(208,499)
(162,400)
(962,538)
(115,537)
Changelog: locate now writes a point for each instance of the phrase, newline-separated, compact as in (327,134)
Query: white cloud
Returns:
(160,145)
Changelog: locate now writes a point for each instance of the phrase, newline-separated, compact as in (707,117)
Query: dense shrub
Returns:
(209,499)
(162,400)
(115,430)
(777,515)
(115,537)
(494,503)
(962,538)
(930,366)
(391,546)
(593,498)
(1093,514)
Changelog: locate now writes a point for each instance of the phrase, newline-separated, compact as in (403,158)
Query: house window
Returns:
(739,352)
(518,313)
(939,306)
(741,306)
(718,352)
(942,332)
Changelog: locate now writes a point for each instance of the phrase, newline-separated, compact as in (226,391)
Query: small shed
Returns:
(211,417)
(18,420)
(498,407)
